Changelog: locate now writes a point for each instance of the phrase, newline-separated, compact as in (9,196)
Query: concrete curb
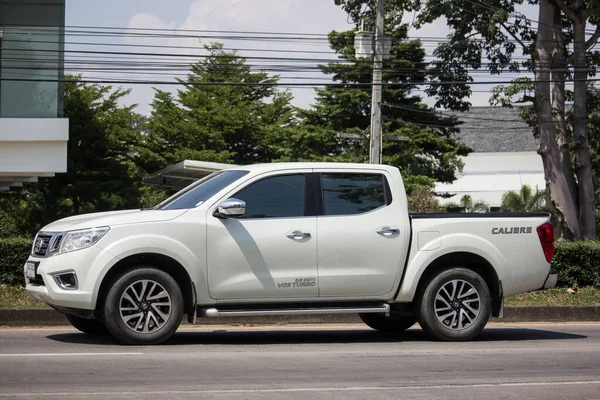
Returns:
(47,317)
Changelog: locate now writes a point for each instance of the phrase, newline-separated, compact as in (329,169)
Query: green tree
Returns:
(102,166)
(555,49)
(470,206)
(239,122)
(431,154)
(525,200)
(13,214)
(467,205)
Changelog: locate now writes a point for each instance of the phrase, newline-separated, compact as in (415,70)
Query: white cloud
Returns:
(278,16)
(282,16)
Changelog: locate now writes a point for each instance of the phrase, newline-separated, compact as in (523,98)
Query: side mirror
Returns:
(231,208)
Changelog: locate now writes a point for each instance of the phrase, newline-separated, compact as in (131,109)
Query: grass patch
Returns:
(585,296)
(12,296)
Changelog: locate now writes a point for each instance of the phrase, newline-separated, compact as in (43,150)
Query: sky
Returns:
(300,16)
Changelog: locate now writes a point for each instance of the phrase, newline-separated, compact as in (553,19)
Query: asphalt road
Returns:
(549,361)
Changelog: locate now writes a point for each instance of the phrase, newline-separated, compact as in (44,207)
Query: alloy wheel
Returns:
(145,306)
(457,304)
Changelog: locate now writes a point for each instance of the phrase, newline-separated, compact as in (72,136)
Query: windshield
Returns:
(198,192)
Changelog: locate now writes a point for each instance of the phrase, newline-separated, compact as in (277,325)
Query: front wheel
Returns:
(89,326)
(144,306)
(388,324)
(455,305)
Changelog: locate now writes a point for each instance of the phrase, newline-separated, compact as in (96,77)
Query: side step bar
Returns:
(214,312)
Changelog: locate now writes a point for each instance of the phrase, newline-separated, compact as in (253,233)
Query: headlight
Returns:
(77,240)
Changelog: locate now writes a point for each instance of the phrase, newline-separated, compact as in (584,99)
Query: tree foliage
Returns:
(525,200)
(473,206)
(102,168)
(13,215)
(431,153)
(467,205)
(423,200)
(221,123)
(555,48)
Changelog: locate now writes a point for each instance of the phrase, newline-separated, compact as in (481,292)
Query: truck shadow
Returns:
(329,336)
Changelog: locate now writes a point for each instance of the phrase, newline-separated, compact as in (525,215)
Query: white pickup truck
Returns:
(284,239)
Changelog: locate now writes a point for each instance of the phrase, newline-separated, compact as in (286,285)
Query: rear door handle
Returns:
(387,231)
(298,235)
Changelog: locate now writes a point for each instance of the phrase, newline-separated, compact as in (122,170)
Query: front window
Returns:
(197,193)
(275,197)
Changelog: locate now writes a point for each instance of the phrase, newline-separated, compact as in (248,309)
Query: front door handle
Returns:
(387,231)
(298,235)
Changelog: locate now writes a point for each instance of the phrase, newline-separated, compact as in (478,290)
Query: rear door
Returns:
(363,234)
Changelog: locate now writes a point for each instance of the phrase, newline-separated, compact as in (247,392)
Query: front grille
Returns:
(41,244)
(47,243)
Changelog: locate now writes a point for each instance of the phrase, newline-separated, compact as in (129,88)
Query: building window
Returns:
(32,58)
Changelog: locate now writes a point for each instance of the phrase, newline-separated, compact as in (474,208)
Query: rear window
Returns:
(347,194)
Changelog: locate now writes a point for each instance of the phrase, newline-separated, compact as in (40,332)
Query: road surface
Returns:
(516,361)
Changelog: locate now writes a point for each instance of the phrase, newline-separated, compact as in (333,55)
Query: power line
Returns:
(448,114)
(333,84)
(492,7)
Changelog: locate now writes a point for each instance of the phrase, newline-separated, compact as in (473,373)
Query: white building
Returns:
(33,134)
(504,157)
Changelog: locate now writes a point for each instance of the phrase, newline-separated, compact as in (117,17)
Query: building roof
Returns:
(495,129)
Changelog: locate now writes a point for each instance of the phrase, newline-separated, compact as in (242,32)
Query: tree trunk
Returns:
(558,69)
(583,166)
(76,205)
(563,198)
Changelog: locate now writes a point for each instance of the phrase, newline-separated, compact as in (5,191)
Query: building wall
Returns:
(487,176)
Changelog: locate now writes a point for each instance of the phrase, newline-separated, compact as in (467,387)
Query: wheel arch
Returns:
(474,262)
(156,260)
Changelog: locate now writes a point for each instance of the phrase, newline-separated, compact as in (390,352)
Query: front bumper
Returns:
(551,280)
(86,264)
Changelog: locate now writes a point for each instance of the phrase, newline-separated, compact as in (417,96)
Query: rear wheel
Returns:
(89,326)
(455,305)
(144,306)
(388,324)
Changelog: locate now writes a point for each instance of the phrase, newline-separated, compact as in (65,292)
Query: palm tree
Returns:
(470,206)
(524,200)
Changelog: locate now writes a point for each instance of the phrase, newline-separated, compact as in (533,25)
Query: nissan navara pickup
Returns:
(287,239)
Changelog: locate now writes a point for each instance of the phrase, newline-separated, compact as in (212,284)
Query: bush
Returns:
(13,254)
(423,200)
(577,262)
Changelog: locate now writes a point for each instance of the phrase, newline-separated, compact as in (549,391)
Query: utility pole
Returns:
(376,143)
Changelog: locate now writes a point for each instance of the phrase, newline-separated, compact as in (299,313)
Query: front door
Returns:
(363,235)
(271,252)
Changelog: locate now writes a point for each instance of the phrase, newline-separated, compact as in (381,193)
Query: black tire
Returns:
(145,324)
(388,324)
(89,326)
(455,327)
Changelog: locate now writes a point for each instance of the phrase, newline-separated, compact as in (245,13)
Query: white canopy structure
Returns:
(180,175)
